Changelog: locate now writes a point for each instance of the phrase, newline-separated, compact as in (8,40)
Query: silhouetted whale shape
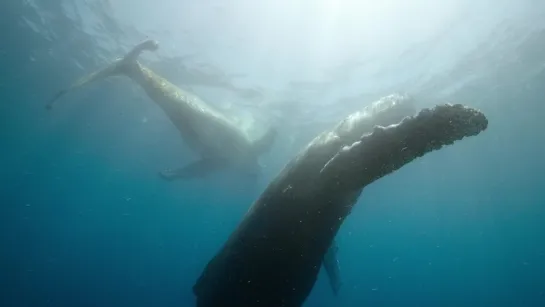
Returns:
(273,257)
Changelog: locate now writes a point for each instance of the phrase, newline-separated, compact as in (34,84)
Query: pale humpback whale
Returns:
(218,140)
(274,255)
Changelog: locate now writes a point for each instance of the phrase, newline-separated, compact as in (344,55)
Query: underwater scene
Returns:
(272,153)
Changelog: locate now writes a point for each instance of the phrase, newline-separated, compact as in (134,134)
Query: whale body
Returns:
(274,255)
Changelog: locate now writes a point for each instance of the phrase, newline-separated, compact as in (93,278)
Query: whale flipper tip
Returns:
(149,44)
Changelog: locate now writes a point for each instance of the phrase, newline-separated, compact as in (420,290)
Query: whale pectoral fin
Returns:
(331,265)
(87,79)
(265,143)
(387,149)
(116,68)
(197,169)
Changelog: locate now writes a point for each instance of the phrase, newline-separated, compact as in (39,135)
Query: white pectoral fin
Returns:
(83,81)
(387,149)
(115,68)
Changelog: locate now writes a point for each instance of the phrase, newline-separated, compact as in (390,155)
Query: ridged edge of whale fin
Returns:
(115,68)
(387,149)
(265,142)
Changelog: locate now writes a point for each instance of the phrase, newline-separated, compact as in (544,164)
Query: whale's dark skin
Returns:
(273,257)
(332,268)
(385,111)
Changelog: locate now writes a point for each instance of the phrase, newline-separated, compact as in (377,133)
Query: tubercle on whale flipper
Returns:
(387,149)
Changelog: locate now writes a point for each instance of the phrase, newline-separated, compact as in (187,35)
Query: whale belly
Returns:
(207,134)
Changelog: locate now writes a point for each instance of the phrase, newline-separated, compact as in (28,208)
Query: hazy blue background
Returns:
(85,220)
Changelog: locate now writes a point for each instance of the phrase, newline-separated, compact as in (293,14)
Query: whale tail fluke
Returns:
(118,67)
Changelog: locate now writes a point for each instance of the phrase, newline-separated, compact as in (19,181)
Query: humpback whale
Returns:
(215,138)
(274,255)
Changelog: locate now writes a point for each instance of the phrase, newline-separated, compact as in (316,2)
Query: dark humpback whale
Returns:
(217,139)
(273,257)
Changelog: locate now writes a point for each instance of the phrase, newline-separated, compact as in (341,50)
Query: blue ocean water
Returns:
(86,221)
